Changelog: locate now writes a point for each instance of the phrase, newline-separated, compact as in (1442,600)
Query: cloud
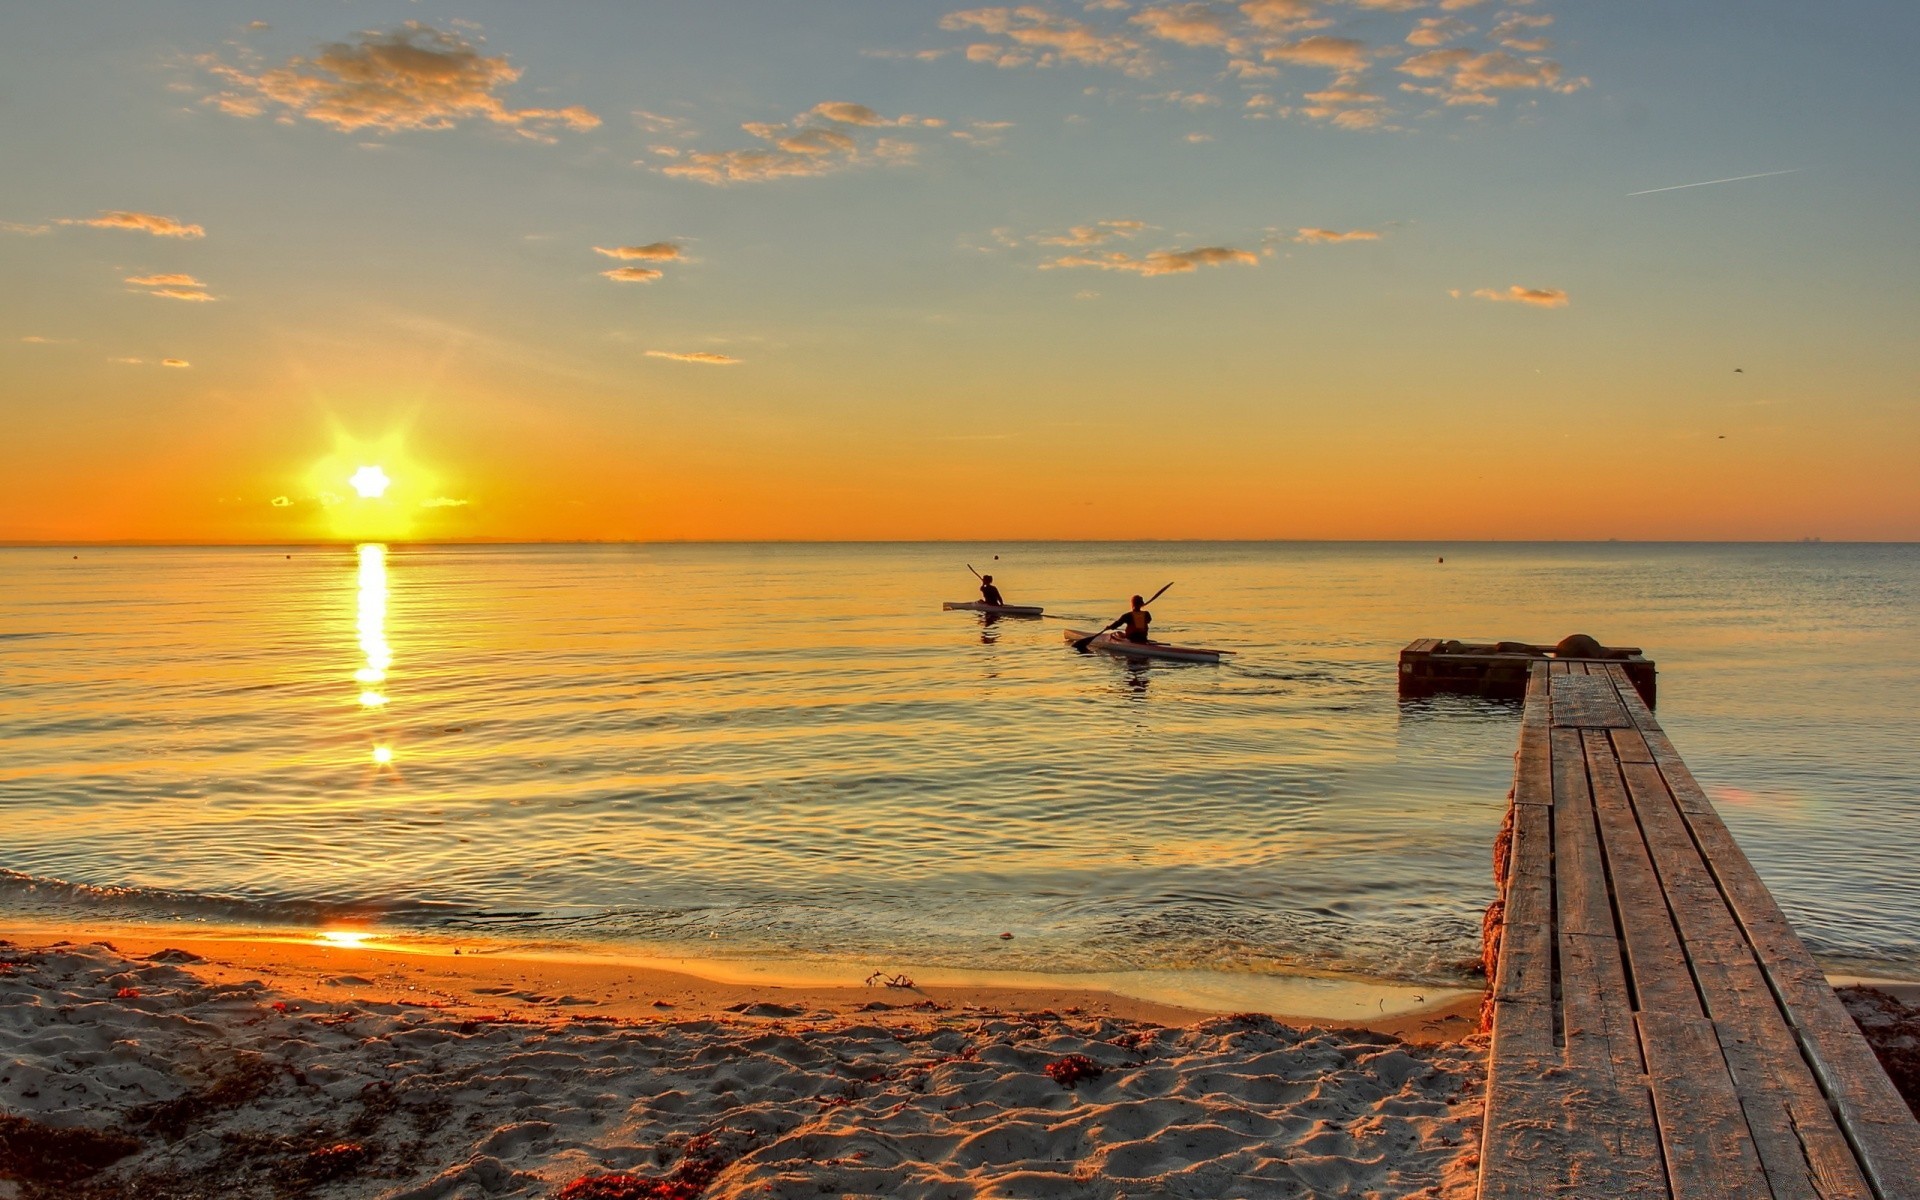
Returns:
(1159,262)
(694,356)
(175,362)
(1188,24)
(1438,31)
(1467,75)
(34,339)
(1538,297)
(847,113)
(1256,39)
(1333,53)
(652,251)
(1510,31)
(414,77)
(632,274)
(152,223)
(165,281)
(800,148)
(1034,37)
(1283,16)
(194,295)
(444,502)
(1092,235)
(280,502)
(124,361)
(1329,235)
(24,230)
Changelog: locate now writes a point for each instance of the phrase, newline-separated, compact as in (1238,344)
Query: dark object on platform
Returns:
(1499,669)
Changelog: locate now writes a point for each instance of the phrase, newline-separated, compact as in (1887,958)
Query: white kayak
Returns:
(1001,610)
(1114,642)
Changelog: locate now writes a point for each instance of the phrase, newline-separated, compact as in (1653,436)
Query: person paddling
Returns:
(989,593)
(1136,621)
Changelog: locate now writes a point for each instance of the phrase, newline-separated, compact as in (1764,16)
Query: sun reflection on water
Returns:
(372,628)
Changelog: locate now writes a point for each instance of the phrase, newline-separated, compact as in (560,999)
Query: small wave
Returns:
(42,895)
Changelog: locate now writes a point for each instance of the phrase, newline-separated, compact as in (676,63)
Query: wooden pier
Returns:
(1659,1030)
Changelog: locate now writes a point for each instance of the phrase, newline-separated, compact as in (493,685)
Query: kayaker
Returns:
(1136,621)
(990,594)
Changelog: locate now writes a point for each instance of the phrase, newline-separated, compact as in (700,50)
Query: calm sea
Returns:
(789,751)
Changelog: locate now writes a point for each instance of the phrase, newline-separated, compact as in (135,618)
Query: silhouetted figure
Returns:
(989,593)
(1136,621)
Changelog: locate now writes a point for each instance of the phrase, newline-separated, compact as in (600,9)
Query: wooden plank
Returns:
(1801,1147)
(1525,972)
(1422,646)
(1579,874)
(1630,747)
(1556,1130)
(1657,968)
(1532,767)
(1587,702)
(1560,667)
(1597,1012)
(1703,1131)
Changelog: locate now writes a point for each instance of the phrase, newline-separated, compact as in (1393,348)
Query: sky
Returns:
(1423,269)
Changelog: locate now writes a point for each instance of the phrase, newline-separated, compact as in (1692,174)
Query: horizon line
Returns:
(329,543)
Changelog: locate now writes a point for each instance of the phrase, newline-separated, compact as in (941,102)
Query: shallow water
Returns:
(790,751)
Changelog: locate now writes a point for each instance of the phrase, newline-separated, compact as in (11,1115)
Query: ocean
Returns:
(790,752)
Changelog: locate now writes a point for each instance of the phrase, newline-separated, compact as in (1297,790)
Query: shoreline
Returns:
(498,976)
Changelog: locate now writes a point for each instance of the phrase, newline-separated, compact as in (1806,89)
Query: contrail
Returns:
(1703,183)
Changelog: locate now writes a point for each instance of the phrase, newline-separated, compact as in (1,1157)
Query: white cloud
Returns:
(694,356)
(1158,262)
(1323,236)
(801,147)
(652,251)
(1538,297)
(633,274)
(414,77)
(152,223)
(175,362)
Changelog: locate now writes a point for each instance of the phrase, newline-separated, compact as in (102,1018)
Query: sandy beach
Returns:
(170,1066)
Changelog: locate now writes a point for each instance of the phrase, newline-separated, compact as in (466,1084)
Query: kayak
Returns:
(1113,642)
(1002,610)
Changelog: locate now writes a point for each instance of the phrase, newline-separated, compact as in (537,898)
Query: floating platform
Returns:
(1659,1030)
(1500,669)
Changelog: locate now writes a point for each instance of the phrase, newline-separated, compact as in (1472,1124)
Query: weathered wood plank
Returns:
(1532,764)
(1526,939)
(1550,1133)
(1657,968)
(1630,746)
(1422,646)
(1687,792)
(1581,904)
(1598,1013)
(1560,668)
(1801,1147)
(1587,702)
(1703,1131)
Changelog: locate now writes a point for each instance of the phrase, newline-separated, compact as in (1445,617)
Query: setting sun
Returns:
(371,482)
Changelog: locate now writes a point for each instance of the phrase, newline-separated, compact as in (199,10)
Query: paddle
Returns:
(1083,643)
(976,574)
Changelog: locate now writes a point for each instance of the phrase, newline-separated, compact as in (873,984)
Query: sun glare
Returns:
(370,482)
